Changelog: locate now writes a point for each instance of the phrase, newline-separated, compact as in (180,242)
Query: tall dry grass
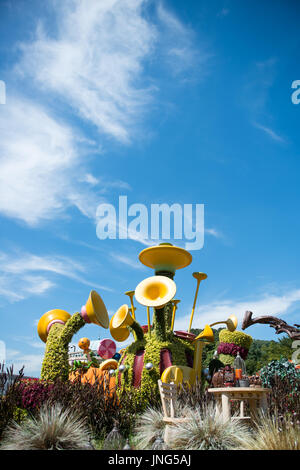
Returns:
(54,428)
(273,432)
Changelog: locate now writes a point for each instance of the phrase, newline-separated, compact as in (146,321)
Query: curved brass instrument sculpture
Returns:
(165,258)
(95,311)
(118,334)
(155,291)
(120,322)
(148,321)
(50,318)
(231,323)
(190,374)
(130,294)
(175,302)
(200,277)
(57,328)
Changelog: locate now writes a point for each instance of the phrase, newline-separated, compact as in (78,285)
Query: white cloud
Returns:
(177,43)
(259,80)
(127,261)
(90,179)
(38,165)
(95,61)
(30,341)
(32,362)
(216,311)
(214,232)
(25,271)
(269,132)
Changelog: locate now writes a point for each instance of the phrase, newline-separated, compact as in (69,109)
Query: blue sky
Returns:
(165,102)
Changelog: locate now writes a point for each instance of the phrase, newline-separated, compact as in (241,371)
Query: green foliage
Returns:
(227,359)
(9,397)
(55,363)
(262,352)
(282,369)
(19,415)
(237,337)
(159,323)
(152,347)
(53,429)
(83,367)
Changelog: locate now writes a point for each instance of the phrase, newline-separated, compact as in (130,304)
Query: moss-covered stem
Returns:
(56,359)
(168,310)
(159,324)
(137,330)
(74,324)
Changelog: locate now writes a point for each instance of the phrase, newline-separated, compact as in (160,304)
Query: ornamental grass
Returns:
(203,430)
(149,429)
(100,410)
(54,428)
(273,432)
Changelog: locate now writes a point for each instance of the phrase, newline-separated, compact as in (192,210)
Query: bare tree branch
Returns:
(279,325)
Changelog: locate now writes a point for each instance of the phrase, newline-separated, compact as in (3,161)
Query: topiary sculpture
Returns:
(282,369)
(57,327)
(231,343)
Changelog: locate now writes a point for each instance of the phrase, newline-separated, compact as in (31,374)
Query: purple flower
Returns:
(232,349)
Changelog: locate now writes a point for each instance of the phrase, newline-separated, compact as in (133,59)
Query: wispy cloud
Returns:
(25,270)
(269,132)
(29,341)
(31,362)
(127,261)
(178,45)
(214,232)
(95,61)
(39,164)
(269,304)
(256,96)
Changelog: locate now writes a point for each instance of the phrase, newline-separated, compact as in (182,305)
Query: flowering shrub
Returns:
(281,369)
(100,410)
(237,337)
(33,394)
(232,349)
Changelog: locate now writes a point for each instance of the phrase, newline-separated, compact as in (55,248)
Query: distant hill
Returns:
(260,353)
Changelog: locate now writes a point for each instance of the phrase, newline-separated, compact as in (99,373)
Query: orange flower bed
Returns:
(95,375)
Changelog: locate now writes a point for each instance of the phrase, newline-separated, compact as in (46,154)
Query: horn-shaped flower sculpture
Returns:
(57,327)
(158,350)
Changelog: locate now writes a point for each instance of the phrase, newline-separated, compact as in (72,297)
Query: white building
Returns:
(76,354)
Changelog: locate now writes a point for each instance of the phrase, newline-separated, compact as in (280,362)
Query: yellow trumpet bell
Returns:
(109,364)
(165,257)
(119,322)
(207,334)
(96,310)
(118,334)
(122,317)
(231,323)
(172,374)
(155,291)
(55,316)
(200,276)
